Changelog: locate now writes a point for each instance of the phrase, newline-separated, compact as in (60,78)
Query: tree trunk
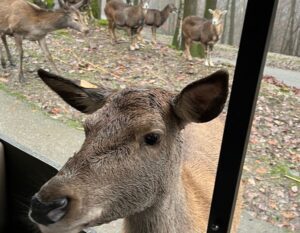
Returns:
(209,4)
(99,9)
(190,8)
(232,19)
(290,42)
(224,38)
(297,51)
(196,48)
(287,44)
(177,38)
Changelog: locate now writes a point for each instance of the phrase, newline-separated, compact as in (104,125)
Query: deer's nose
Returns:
(46,213)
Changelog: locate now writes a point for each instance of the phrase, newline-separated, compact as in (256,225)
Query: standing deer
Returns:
(131,18)
(143,159)
(23,20)
(207,32)
(156,18)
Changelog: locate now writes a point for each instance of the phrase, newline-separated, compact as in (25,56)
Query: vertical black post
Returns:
(256,32)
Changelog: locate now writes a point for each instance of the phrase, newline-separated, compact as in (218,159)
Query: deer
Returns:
(207,32)
(156,18)
(23,20)
(145,159)
(130,18)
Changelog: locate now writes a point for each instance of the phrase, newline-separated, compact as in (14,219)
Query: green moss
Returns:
(101,22)
(171,46)
(12,93)
(62,33)
(197,50)
(95,9)
(74,124)
(69,122)
(280,169)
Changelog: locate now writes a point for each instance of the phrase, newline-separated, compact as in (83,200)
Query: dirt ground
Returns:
(271,172)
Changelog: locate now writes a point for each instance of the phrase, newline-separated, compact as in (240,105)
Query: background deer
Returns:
(23,20)
(143,159)
(156,18)
(131,18)
(207,32)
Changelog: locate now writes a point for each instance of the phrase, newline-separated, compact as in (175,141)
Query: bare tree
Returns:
(291,31)
(224,38)
(177,38)
(232,23)
(209,4)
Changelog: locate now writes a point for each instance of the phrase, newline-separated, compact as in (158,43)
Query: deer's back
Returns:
(5,8)
(201,150)
(197,29)
(153,17)
(16,14)
(113,6)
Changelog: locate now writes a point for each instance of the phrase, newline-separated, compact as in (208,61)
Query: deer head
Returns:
(217,16)
(131,156)
(172,8)
(73,17)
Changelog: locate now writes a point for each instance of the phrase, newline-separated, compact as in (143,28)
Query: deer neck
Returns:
(169,215)
(218,29)
(52,20)
(164,14)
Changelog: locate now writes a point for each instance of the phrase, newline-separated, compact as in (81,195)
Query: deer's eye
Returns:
(152,139)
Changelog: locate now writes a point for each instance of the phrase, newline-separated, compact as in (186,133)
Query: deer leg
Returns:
(9,56)
(153,29)
(136,38)
(19,40)
(113,30)
(139,35)
(3,63)
(187,51)
(44,48)
(206,55)
(133,45)
(210,52)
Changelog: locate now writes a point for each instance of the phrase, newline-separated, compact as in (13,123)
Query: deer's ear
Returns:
(224,12)
(210,11)
(86,100)
(202,100)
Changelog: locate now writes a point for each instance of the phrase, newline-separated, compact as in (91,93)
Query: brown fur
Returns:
(24,20)
(160,188)
(122,15)
(204,31)
(156,18)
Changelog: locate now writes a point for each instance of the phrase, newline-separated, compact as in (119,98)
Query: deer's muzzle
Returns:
(46,213)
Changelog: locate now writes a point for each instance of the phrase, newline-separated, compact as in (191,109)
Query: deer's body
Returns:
(207,32)
(141,161)
(23,20)
(122,15)
(156,18)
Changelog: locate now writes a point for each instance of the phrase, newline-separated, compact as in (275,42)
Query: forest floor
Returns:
(271,172)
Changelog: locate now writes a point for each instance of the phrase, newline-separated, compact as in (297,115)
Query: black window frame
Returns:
(257,28)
